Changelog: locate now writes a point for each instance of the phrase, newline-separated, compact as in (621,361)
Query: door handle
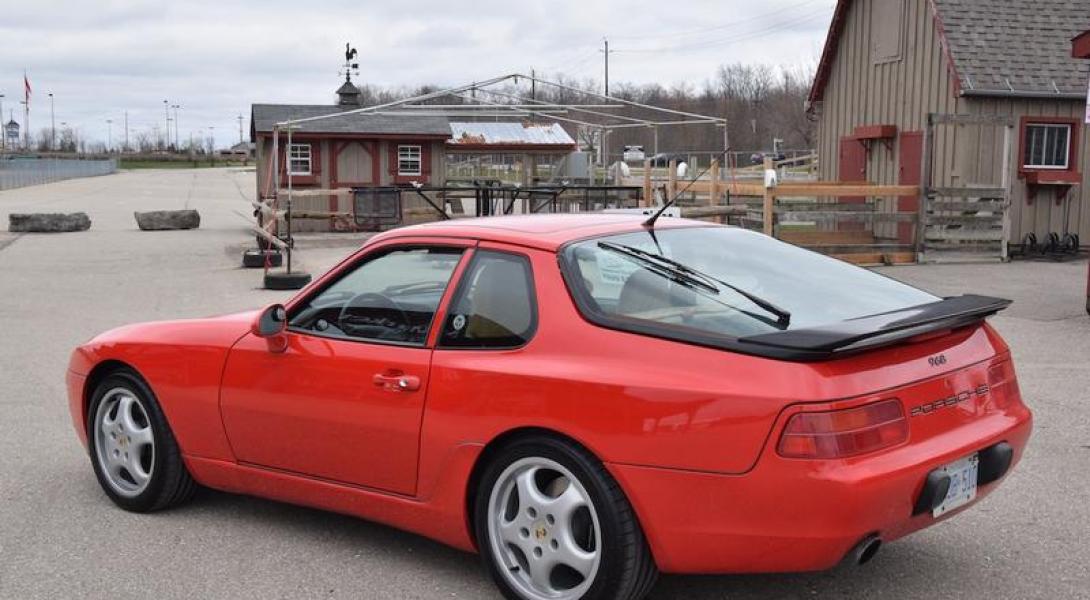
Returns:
(392,382)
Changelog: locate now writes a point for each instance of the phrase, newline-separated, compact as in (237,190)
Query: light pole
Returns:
(109,134)
(52,126)
(175,107)
(166,111)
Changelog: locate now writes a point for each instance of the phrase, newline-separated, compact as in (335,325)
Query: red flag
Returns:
(26,83)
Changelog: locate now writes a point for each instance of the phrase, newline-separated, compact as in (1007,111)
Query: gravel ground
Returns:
(61,538)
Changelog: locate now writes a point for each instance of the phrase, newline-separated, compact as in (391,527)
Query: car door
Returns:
(345,400)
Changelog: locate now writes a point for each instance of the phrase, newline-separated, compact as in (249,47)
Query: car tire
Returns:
(255,259)
(286,281)
(133,451)
(594,551)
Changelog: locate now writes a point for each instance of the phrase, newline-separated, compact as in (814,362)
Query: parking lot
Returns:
(61,538)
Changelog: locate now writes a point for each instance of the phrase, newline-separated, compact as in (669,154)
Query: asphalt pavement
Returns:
(61,538)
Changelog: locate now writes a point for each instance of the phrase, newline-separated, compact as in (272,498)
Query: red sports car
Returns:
(583,399)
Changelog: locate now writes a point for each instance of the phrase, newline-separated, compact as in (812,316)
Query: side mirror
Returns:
(270,322)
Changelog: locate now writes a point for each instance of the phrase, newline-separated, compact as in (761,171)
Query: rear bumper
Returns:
(794,515)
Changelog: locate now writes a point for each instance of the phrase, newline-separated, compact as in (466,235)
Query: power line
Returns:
(747,36)
(701,30)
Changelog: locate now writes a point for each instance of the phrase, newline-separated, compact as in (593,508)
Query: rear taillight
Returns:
(1003,384)
(842,433)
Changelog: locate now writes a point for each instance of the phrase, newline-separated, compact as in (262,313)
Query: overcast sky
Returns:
(103,57)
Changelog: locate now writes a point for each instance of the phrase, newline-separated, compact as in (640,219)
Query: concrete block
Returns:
(159,220)
(48,222)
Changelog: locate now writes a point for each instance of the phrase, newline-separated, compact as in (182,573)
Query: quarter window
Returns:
(390,298)
(408,160)
(299,159)
(1047,146)
(494,306)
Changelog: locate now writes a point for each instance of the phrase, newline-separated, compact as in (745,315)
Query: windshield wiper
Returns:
(708,282)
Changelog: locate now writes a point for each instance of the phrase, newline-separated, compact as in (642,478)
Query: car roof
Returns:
(543,231)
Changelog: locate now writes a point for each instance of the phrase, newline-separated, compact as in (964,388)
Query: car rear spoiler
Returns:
(863,333)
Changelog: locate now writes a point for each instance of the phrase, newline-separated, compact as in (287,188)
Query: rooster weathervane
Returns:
(349,64)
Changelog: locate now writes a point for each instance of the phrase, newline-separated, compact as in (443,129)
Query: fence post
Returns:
(768,208)
(647,198)
(715,190)
(671,183)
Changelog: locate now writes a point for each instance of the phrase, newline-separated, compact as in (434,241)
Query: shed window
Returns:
(408,160)
(1047,146)
(299,159)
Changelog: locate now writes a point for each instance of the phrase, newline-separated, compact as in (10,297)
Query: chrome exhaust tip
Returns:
(865,550)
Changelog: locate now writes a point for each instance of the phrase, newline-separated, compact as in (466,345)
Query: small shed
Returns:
(522,151)
(888,64)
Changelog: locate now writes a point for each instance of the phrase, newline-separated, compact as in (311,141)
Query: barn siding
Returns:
(1043,215)
(902,92)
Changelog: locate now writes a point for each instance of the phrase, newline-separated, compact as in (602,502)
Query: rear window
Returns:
(615,283)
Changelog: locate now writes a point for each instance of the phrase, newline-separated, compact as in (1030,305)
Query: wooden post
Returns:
(768,210)
(925,185)
(715,190)
(648,198)
(1006,183)
(671,185)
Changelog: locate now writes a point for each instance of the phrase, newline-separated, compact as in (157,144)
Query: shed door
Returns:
(910,164)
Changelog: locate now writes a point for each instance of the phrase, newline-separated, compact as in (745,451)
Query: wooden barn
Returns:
(1006,101)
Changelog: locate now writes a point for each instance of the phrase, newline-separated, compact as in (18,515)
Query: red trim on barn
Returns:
(1061,179)
(1080,45)
(874,132)
(425,162)
(315,163)
(1072,149)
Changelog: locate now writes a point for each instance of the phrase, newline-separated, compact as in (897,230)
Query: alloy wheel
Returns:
(544,531)
(124,443)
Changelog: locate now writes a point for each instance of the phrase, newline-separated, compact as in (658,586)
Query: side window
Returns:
(495,305)
(390,298)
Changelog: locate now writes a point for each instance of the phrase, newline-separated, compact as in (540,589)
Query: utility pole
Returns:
(109,134)
(3,126)
(126,148)
(533,85)
(166,112)
(240,129)
(605,53)
(52,125)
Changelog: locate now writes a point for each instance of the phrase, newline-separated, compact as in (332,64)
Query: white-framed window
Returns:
(1047,146)
(408,159)
(299,159)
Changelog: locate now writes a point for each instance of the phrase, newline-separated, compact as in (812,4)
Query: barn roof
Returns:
(265,116)
(484,133)
(998,48)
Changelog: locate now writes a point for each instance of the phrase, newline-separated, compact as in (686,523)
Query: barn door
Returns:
(853,165)
(910,153)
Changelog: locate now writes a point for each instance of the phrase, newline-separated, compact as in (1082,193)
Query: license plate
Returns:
(962,474)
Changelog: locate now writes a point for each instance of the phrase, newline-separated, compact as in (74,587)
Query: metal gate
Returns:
(968,222)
